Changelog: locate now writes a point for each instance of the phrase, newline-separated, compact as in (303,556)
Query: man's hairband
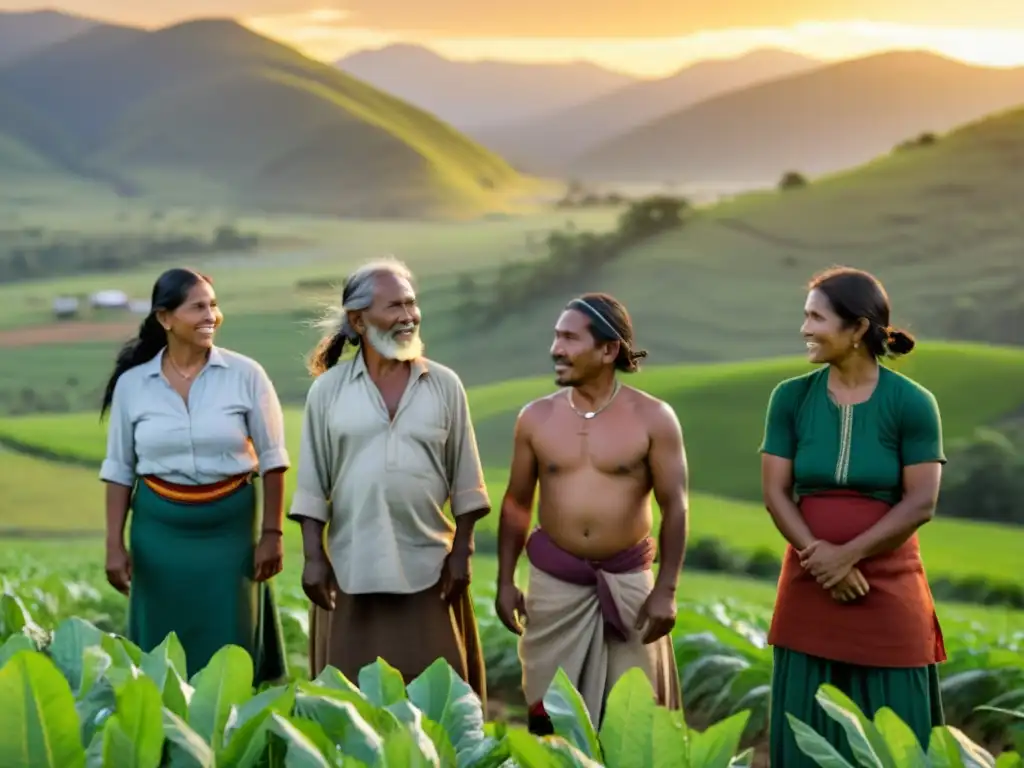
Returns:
(591,310)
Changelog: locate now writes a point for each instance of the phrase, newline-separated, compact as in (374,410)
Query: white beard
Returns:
(391,349)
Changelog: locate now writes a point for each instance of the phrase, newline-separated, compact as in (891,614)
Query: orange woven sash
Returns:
(894,625)
(195,494)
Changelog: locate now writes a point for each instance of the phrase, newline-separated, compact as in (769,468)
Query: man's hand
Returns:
(269,558)
(828,563)
(510,606)
(318,582)
(455,576)
(659,614)
(119,568)
(853,587)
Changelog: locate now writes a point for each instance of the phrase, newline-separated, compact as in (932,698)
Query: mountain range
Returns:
(473,95)
(815,122)
(549,143)
(209,110)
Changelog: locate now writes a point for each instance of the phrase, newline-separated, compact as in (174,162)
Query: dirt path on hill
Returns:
(66,333)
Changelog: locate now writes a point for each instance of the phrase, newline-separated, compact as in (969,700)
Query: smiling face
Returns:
(829,339)
(575,352)
(391,324)
(195,322)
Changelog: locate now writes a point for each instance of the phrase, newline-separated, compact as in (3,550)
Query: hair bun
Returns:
(899,342)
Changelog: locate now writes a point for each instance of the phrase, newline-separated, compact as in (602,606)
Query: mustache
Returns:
(559,360)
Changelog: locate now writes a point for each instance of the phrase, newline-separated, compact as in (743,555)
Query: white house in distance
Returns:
(65,307)
(109,299)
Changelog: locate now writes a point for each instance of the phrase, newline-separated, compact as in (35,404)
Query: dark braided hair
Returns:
(169,292)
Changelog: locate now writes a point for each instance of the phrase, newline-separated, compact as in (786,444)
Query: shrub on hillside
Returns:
(792,180)
(984,479)
(572,255)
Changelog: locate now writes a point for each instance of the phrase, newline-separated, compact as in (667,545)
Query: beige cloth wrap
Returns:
(566,628)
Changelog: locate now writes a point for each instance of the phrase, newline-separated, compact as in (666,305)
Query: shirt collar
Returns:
(358,369)
(153,367)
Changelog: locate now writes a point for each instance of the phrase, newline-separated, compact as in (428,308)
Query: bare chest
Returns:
(391,390)
(610,443)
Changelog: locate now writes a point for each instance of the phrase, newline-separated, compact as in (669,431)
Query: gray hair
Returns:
(357,294)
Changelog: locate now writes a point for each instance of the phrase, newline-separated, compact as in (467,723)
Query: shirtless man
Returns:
(598,450)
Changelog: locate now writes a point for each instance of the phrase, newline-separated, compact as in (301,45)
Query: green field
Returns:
(720,407)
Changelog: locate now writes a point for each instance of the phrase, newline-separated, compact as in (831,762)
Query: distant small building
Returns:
(109,299)
(65,307)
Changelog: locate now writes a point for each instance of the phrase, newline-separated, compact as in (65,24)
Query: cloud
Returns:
(658,18)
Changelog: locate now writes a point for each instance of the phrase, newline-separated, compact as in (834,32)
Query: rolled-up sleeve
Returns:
(312,497)
(266,423)
(119,465)
(465,474)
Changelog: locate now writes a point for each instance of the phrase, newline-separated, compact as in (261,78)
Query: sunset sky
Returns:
(644,37)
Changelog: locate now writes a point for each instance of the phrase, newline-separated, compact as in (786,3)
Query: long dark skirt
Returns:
(409,632)
(912,693)
(192,567)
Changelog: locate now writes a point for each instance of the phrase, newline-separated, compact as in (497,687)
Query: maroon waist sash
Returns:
(545,555)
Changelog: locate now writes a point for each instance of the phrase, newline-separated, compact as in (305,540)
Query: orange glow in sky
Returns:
(323,35)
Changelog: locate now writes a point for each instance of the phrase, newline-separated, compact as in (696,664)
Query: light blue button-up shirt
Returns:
(231,424)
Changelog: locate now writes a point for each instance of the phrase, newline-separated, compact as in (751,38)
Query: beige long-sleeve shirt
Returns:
(380,484)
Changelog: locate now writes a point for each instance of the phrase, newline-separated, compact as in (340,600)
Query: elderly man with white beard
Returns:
(386,442)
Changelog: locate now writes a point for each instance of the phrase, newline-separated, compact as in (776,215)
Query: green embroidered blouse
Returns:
(861,447)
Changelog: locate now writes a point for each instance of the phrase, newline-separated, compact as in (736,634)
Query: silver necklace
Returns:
(592,414)
(177,370)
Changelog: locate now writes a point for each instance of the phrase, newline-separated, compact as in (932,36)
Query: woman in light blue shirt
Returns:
(190,424)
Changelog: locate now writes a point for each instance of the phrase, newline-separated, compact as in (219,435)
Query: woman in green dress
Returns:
(859,447)
(190,424)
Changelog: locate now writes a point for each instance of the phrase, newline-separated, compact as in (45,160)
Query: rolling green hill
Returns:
(721,409)
(210,108)
(830,118)
(939,224)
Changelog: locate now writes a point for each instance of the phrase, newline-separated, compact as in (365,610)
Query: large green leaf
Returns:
(815,746)
(224,683)
(38,722)
(627,730)
(549,752)
(381,683)
(354,736)
(278,698)
(717,745)
(301,750)
(96,699)
(971,755)
(446,699)
(867,744)
(1009,760)
(133,737)
(415,725)
(569,715)
(67,649)
(900,739)
(165,666)
(187,749)
(13,645)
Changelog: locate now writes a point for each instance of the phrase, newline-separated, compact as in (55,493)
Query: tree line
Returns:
(570,256)
(34,253)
